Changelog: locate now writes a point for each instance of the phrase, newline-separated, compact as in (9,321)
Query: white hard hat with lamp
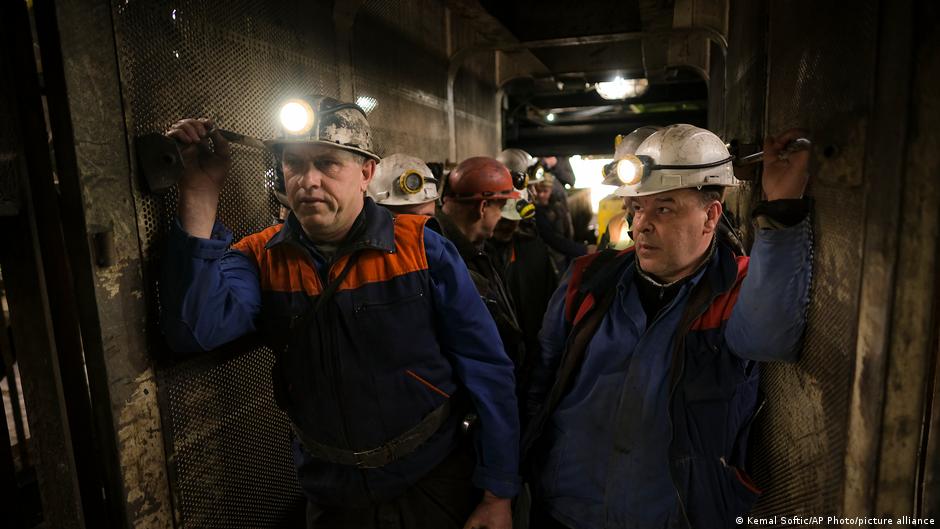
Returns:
(626,145)
(677,157)
(518,208)
(402,180)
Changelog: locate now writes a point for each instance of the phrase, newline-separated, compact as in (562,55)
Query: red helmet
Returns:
(480,178)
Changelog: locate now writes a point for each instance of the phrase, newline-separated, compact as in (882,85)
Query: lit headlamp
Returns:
(536,172)
(633,168)
(297,116)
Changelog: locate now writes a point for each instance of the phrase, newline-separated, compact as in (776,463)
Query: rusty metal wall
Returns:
(821,65)
(227,445)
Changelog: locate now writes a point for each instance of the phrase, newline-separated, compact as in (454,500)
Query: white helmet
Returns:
(522,165)
(518,208)
(402,180)
(625,146)
(516,160)
(677,157)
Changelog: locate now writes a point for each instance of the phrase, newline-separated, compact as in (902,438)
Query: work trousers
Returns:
(443,499)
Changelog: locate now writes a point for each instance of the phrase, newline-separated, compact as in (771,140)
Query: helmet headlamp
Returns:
(297,116)
(411,182)
(520,180)
(632,168)
(525,209)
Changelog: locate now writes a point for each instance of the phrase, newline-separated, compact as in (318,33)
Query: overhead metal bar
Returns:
(458,58)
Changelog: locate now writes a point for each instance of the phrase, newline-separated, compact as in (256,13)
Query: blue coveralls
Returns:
(405,330)
(624,449)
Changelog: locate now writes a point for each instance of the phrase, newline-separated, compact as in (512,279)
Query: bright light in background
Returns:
(621,88)
(589,174)
(550,117)
(367,103)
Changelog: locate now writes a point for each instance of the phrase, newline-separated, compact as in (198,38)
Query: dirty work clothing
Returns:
(645,437)
(529,272)
(442,499)
(404,332)
(491,288)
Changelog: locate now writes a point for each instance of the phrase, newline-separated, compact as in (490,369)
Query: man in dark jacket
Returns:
(475,194)
(524,261)
(373,395)
(553,222)
(641,402)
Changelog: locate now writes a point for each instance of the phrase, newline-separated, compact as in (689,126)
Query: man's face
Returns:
(492,212)
(672,231)
(504,229)
(325,188)
(543,194)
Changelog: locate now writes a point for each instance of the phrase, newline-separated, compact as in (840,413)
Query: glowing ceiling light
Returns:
(296,116)
(621,88)
(550,117)
(367,103)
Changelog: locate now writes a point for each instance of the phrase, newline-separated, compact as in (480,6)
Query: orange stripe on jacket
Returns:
(720,309)
(409,256)
(283,268)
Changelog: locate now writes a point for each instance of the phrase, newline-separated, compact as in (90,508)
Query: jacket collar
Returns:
(721,271)
(374,228)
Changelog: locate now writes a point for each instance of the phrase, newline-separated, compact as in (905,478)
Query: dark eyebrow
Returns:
(665,200)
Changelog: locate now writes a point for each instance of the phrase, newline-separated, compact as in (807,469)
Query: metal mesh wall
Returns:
(400,57)
(234,61)
(821,80)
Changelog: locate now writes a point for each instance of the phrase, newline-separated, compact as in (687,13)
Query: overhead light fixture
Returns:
(367,103)
(550,116)
(621,88)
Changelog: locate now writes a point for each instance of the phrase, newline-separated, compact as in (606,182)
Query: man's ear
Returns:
(481,209)
(368,172)
(712,217)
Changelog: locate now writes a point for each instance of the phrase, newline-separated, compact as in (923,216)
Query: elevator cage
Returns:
(227,444)
(198,441)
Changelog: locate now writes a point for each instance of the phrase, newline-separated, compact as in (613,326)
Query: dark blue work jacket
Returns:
(653,431)
(372,361)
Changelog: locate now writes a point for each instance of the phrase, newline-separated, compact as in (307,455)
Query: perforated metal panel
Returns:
(234,61)
(824,84)
(228,445)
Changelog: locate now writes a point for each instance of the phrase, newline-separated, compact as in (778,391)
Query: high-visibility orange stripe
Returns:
(720,309)
(283,268)
(430,386)
(409,256)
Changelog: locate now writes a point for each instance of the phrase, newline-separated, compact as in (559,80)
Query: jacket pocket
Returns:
(363,307)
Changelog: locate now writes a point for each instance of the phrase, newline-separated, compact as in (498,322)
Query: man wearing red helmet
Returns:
(474,197)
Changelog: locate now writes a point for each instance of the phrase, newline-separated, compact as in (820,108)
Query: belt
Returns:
(393,450)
